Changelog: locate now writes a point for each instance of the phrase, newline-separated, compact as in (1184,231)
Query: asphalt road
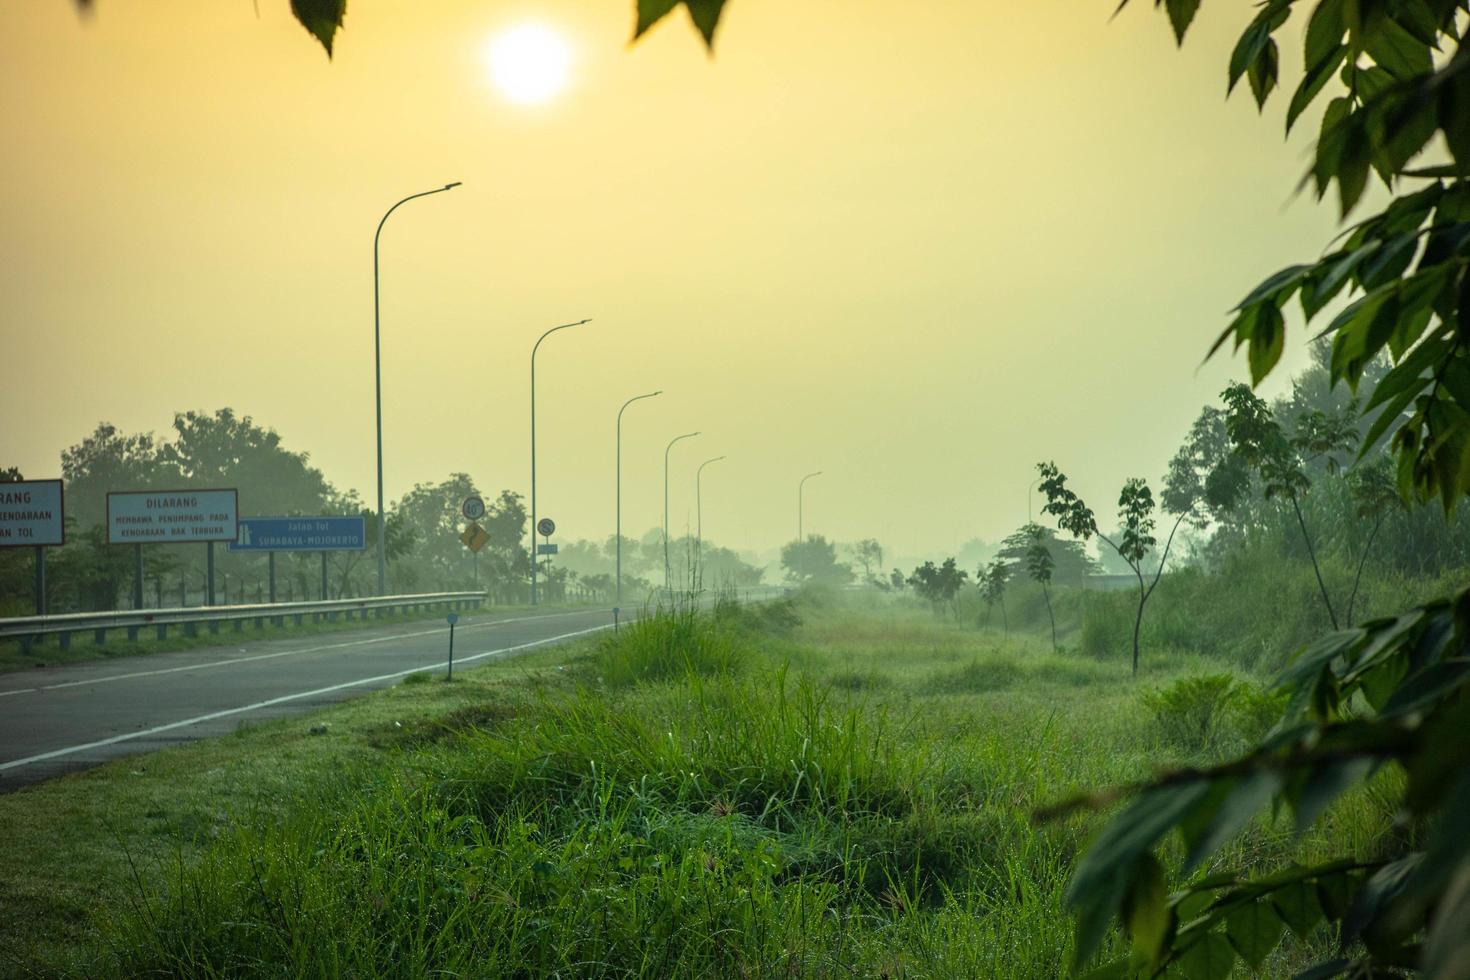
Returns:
(62,719)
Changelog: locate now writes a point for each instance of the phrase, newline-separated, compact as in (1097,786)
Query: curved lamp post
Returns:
(618,533)
(378,384)
(687,435)
(801,506)
(534,348)
(699,520)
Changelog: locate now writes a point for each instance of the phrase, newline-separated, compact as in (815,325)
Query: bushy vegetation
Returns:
(813,787)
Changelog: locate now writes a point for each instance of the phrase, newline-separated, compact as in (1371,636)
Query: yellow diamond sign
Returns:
(474,537)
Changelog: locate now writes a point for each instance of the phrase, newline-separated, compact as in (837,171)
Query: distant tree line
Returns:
(226,449)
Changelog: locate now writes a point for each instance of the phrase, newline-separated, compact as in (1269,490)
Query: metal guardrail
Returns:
(32,629)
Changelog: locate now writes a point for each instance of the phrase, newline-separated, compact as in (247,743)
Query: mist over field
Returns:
(723,488)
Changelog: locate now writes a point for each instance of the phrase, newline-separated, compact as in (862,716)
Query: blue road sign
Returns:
(301,534)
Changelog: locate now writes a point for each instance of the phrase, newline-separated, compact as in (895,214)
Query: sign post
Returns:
(40,581)
(140,517)
(452,618)
(323,534)
(546,527)
(32,514)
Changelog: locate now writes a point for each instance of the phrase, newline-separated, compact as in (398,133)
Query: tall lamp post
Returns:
(534,348)
(801,506)
(699,519)
(618,532)
(378,385)
(687,435)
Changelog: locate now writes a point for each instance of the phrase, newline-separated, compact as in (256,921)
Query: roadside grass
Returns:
(722,793)
(83,650)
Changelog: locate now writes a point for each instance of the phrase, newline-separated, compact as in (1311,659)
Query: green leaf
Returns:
(1454,110)
(1116,970)
(1313,80)
(1299,908)
(1334,896)
(1263,72)
(704,13)
(1330,141)
(1324,32)
(1244,798)
(1097,887)
(1446,953)
(1277,287)
(1397,51)
(1326,783)
(1209,959)
(1389,261)
(1254,40)
(1428,687)
(1181,14)
(1146,914)
(1254,929)
(1266,343)
(323,18)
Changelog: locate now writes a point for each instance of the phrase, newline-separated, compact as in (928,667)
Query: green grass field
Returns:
(785,790)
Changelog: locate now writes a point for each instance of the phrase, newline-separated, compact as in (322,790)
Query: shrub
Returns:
(1188,712)
(669,643)
(1256,709)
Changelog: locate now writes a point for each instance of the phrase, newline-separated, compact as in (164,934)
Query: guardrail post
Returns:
(239,625)
(99,637)
(163,631)
(63,640)
(190,630)
(132,634)
(298,619)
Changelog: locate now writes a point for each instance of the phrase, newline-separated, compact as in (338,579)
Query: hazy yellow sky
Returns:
(918,246)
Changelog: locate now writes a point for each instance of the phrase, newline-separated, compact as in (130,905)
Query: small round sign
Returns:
(546,527)
(452,618)
(473,508)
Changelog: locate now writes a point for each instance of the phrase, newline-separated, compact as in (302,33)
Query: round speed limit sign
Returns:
(546,527)
(473,509)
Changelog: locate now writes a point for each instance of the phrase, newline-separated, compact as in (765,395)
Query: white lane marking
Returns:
(282,653)
(100,743)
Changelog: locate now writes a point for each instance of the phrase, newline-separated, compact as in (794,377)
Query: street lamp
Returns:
(699,519)
(618,532)
(378,385)
(687,435)
(801,504)
(534,348)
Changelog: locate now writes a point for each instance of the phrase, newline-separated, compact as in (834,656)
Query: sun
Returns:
(529,64)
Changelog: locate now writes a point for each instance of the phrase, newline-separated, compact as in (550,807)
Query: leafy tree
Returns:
(869,554)
(814,560)
(224,449)
(108,460)
(1392,691)
(1134,539)
(1280,460)
(1039,565)
(939,584)
(1071,562)
(992,581)
(897,581)
(1373,491)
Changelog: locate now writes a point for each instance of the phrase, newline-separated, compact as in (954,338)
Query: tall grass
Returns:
(689,804)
